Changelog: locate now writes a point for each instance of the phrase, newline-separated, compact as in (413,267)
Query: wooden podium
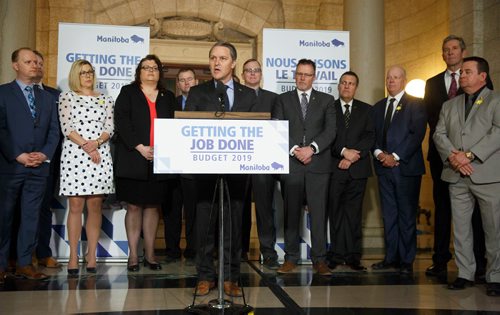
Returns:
(220,305)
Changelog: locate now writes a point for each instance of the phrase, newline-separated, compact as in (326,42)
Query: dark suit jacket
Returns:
(52,91)
(20,133)
(319,126)
(132,125)
(404,136)
(360,136)
(178,103)
(204,97)
(435,95)
(265,101)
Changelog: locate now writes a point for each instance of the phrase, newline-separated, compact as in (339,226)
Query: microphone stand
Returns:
(220,305)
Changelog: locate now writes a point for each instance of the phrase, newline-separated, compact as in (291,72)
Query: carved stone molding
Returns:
(190,28)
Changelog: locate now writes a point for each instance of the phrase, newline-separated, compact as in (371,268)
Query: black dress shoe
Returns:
(152,265)
(91,269)
(460,284)
(357,267)
(383,265)
(493,289)
(332,265)
(133,268)
(73,272)
(436,270)
(406,269)
(271,263)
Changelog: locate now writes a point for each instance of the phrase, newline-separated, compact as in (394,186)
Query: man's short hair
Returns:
(228,45)
(251,60)
(15,54)
(39,54)
(305,61)
(455,37)
(182,70)
(482,64)
(351,73)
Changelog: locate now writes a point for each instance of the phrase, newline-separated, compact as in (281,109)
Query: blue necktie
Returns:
(31,100)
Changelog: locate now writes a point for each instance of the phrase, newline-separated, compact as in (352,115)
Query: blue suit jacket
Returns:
(404,136)
(20,133)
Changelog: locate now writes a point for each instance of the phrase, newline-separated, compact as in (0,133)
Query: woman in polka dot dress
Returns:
(86,118)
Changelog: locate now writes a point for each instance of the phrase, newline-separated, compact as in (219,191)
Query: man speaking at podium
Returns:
(221,94)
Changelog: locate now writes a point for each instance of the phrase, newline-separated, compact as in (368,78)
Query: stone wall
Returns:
(479,23)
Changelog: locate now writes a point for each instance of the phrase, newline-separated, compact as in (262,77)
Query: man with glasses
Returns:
(29,134)
(351,169)
(312,125)
(262,185)
(181,192)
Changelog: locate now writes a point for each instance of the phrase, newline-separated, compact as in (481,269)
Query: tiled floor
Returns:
(115,291)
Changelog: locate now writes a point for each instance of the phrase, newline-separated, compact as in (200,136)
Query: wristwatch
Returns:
(313,148)
(99,141)
(470,155)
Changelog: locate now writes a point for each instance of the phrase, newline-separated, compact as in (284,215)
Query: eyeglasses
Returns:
(302,74)
(89,73)
(186,80)
(254,70)
(150,69)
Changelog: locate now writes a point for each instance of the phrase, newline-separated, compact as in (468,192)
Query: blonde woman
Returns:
(86,118)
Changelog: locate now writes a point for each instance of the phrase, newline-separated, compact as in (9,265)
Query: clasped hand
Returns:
(303,154)
(460,163)
(32,159)
(90,147)
(387,160)
(350,156)
(146,151)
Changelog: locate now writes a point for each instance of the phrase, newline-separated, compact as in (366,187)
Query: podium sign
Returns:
(211,146)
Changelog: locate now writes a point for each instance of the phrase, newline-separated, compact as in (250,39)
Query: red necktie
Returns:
(452,92)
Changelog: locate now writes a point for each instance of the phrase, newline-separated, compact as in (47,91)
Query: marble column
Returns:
(364,19)
(17,29)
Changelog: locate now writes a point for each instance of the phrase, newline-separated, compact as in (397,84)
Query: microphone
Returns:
(221,91)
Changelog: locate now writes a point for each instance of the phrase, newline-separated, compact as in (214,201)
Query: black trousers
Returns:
(345,215)
(181,194)
(207,220)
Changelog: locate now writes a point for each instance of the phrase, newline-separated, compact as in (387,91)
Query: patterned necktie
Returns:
(303,105)
(347,115)
(387,122)
(31,100)
(452,92)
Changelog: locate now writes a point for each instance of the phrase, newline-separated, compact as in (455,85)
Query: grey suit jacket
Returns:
(480,134)
(319,126)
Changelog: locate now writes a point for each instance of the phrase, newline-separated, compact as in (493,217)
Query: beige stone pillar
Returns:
(17,29)
(364,19)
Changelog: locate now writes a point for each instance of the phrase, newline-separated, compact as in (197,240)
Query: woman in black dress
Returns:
(136,107)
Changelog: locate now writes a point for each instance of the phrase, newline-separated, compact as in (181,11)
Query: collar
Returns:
(397,97)
(449,72)
(22,85)
(342,103)
(474,95)
(308,92)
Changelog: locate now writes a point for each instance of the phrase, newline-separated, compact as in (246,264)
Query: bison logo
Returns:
(277,166)
(335,42)
(137,39)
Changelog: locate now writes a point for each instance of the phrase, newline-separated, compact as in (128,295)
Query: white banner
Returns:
(114,51)
(208,146)
(283,48)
